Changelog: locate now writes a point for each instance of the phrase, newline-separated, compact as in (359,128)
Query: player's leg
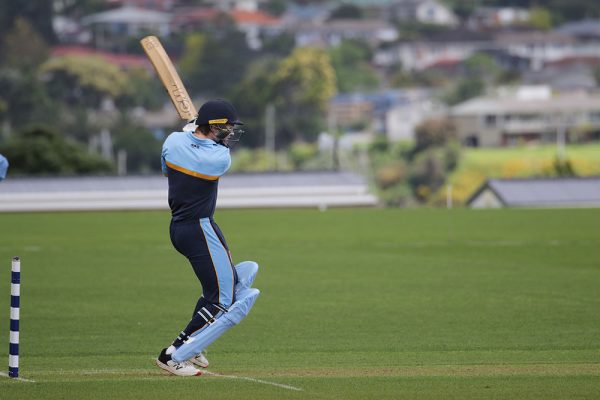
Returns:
(235,308)
(179,234)
(208,254)
(206,336)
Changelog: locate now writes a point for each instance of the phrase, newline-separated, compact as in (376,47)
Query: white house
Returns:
(545,47)
(527,114)
(421,54)
(497,17)
(331,33)
(403,117)
(129,21)
(228,5)
(423,11)
(394,113)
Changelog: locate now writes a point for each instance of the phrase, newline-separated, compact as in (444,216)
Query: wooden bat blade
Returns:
(169,77)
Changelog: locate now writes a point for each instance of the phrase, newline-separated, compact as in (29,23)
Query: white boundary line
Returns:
(254,380)
(4,374)
(204,372)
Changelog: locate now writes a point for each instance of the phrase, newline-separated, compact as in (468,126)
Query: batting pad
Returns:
(246,272)
(204,337)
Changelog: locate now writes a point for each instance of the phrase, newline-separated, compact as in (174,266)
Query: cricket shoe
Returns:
(184,368)
(200,360)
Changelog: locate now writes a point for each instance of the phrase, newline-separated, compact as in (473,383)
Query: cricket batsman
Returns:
(3,167)
(193,161)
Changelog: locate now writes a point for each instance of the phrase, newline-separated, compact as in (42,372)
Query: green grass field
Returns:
(355,304)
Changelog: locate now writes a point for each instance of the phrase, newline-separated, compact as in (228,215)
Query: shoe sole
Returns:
(170,370)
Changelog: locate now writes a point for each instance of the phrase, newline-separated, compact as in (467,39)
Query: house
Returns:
(315,12)
(527,114)
(588,29)
(127,21)
(69,30)
(415,107)
(393,113)
(423,11)
(332,33)
(563,77)
(549,192)
(255,25)
(158,5)
(540,48)
(229,5)
(484,18)
(189,19)
(451,47)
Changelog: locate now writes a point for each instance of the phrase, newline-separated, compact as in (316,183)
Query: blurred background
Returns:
(381,102)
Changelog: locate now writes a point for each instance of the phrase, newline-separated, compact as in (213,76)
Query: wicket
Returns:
(15,300)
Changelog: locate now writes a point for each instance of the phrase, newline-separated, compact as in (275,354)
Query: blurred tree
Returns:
(42,151)
(275,7)
(302,86)
(480,71)
(433,133)
(24,100)
(78,8)
(280,45)
(427,174)
(251,97)
(462,8)
(86,89)
(83,80)
(300,153)
(346,11)
(142,147)
(482,66)
(38,13)
(540,18)
(23,48)
(21,92)
(191,63)
(464,89)
(143,89)
(596,72)
(217,60)
(350,59)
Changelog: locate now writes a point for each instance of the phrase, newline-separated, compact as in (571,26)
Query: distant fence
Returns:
(271,190)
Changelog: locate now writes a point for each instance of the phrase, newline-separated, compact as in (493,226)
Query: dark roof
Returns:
(585,28)
(544,191)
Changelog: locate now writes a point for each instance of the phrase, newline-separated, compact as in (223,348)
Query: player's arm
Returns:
(220,160)
(163,163)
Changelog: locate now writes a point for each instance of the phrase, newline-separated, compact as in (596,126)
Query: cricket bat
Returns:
(169,77)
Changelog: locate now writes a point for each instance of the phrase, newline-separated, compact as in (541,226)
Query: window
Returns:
(490,120)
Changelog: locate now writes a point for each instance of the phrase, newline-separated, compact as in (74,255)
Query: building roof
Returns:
(128,15)
(534,38)
(585,28)
(512,104)
(183,15)
(254,17)
(124,61)
(565,192)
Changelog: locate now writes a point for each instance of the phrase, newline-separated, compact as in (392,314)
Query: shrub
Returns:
(41,151)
